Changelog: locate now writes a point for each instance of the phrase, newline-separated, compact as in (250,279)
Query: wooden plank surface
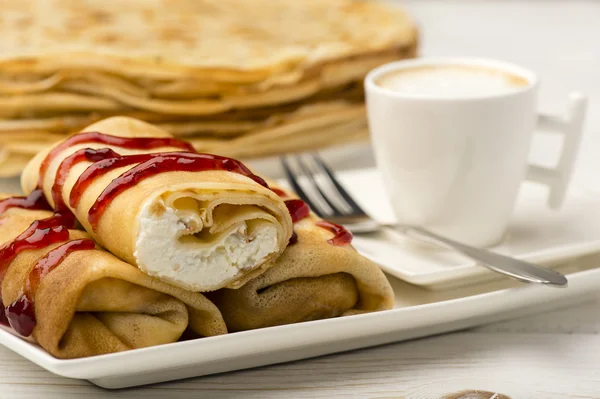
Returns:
(554,355)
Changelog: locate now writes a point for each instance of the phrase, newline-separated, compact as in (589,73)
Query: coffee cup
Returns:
(451,137)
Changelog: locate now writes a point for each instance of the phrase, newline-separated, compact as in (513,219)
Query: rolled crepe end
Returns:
(179,246)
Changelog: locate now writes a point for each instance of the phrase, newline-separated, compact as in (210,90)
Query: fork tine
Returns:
(291,177)
(308,173)
(341,190)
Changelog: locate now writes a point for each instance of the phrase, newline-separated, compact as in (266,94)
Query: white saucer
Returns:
(535,234)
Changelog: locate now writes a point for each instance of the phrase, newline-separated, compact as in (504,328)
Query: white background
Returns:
(555,355)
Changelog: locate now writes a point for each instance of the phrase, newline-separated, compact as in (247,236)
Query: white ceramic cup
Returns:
(454,164)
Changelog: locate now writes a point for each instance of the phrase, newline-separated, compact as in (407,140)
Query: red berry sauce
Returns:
(55,229)
(21,313)
(341,237)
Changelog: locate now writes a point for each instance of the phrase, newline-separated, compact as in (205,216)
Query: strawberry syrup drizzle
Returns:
(42,233)
(21,313)
(299,210)
(134,143)
(279,192)
(341,237)
(85,154)
(34,201)
(158,163)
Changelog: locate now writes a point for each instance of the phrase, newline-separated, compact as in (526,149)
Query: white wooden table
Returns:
(554,355)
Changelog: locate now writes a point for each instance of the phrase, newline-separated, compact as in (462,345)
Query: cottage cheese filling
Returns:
(176,247)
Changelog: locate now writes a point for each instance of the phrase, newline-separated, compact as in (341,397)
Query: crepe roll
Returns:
(76,300)
(198,221)
(320,275)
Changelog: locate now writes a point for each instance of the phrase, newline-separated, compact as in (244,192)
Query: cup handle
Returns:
(571,126)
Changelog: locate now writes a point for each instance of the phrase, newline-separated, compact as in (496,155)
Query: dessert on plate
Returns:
(198,221)
(76,299)
(126,237)
(318,276)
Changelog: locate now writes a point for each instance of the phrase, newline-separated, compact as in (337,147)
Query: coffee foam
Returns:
(451,81)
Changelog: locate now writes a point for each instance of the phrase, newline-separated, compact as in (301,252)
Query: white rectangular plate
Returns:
(418,313)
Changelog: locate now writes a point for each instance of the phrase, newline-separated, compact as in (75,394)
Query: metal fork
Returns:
(316,184)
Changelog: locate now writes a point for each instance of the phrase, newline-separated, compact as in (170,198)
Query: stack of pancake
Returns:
(242,78)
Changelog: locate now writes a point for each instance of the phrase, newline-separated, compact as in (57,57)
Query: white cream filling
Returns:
(167,248)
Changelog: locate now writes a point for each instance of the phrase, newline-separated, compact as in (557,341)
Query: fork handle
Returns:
(521,270)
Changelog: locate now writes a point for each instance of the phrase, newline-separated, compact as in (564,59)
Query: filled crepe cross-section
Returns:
(198,221)
(174,223)
(77,300)
(318,276)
